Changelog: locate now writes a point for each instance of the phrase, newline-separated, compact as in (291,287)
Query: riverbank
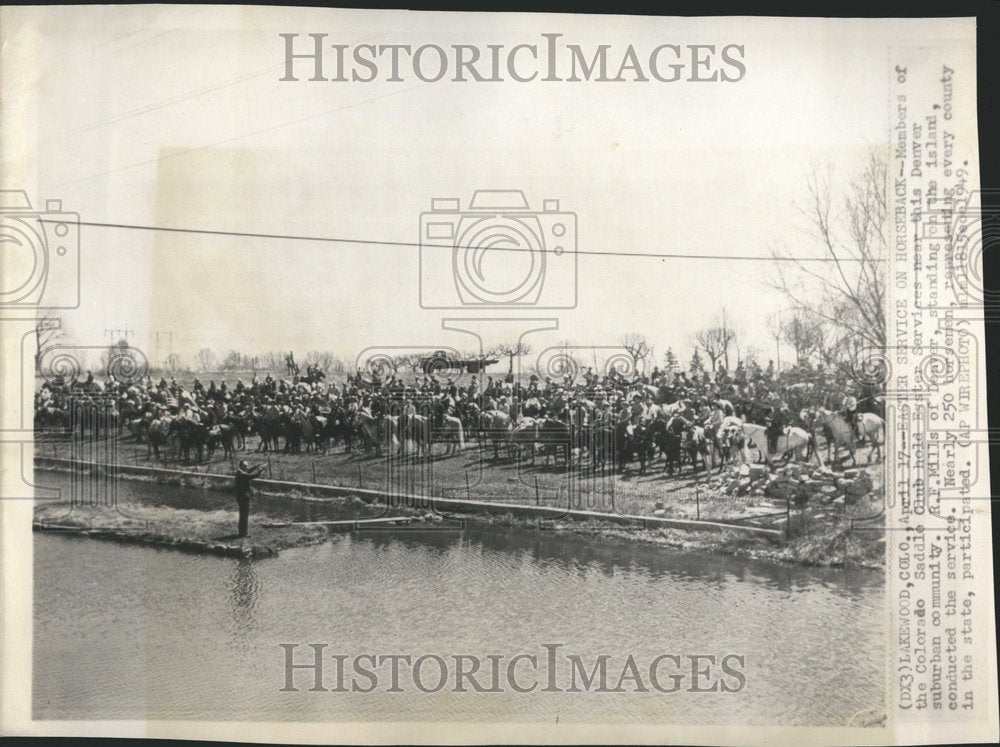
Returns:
(821,545)
(819,535)
(187,530)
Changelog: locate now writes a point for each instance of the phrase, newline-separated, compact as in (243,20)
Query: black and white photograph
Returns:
(405,376)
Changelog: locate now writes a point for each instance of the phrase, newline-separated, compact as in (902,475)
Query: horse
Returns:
(791,442)
(220,435)
(370,430)
(525,433)
(340,426)
(392,432)
(552,434)
(450,431)
(727,440)
(843,433)
(497,427)
(630,440)
(240,428)
(52,419)
(269,430)
(156,433)
(418,429)
(697,443)
(190,435)
(602,443)
(660,434)
(555,436)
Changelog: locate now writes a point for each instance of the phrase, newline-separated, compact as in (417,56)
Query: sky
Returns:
(176,118)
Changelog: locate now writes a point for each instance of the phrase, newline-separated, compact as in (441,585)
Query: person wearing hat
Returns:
(849,411)
(637,410)
(243,482)
(532,405)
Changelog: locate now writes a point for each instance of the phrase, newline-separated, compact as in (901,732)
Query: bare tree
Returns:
(512,350)
(173,362)
(776,328)
(638,347)
(234,361)
(851,266)
(325,360)
(274,361)
(205,359)
(48,329)
(804,332)
(715,341)
(413,361)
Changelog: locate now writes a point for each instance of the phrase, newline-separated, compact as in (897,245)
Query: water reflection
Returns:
(582,555)
(244,589)
(577,554)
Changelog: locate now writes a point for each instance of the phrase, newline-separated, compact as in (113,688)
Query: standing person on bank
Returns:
(243,478)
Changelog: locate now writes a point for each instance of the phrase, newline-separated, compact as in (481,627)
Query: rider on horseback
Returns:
(850,413)
(776,422)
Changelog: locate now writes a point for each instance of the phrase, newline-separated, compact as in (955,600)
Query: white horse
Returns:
(843,433)
(451,432)
(792,441)
(496,426)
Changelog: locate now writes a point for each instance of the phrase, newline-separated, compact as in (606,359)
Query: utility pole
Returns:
(169,335)
(725,340)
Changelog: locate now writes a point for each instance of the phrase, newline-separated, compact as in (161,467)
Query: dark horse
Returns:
(190,435)
(667,437)
(631,442)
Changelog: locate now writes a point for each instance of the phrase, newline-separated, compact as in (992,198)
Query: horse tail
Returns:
(810,445)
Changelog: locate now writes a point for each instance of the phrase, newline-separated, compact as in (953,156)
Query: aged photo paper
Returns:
(438,377)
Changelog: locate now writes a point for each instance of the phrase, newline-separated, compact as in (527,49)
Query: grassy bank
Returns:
(192,530)
(820,534)
(821,543)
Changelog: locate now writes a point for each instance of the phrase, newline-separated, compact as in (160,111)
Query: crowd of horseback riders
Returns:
(612,419)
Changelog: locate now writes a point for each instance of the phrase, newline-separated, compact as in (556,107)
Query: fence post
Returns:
(314,471)
(612,497)
(788,516)
(538,498)
(697,503)
(468,491)
(361,477)
(269,473)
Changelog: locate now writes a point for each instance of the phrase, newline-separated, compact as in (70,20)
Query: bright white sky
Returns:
(175,117)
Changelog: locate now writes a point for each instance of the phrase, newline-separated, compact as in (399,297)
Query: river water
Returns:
(133,632)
